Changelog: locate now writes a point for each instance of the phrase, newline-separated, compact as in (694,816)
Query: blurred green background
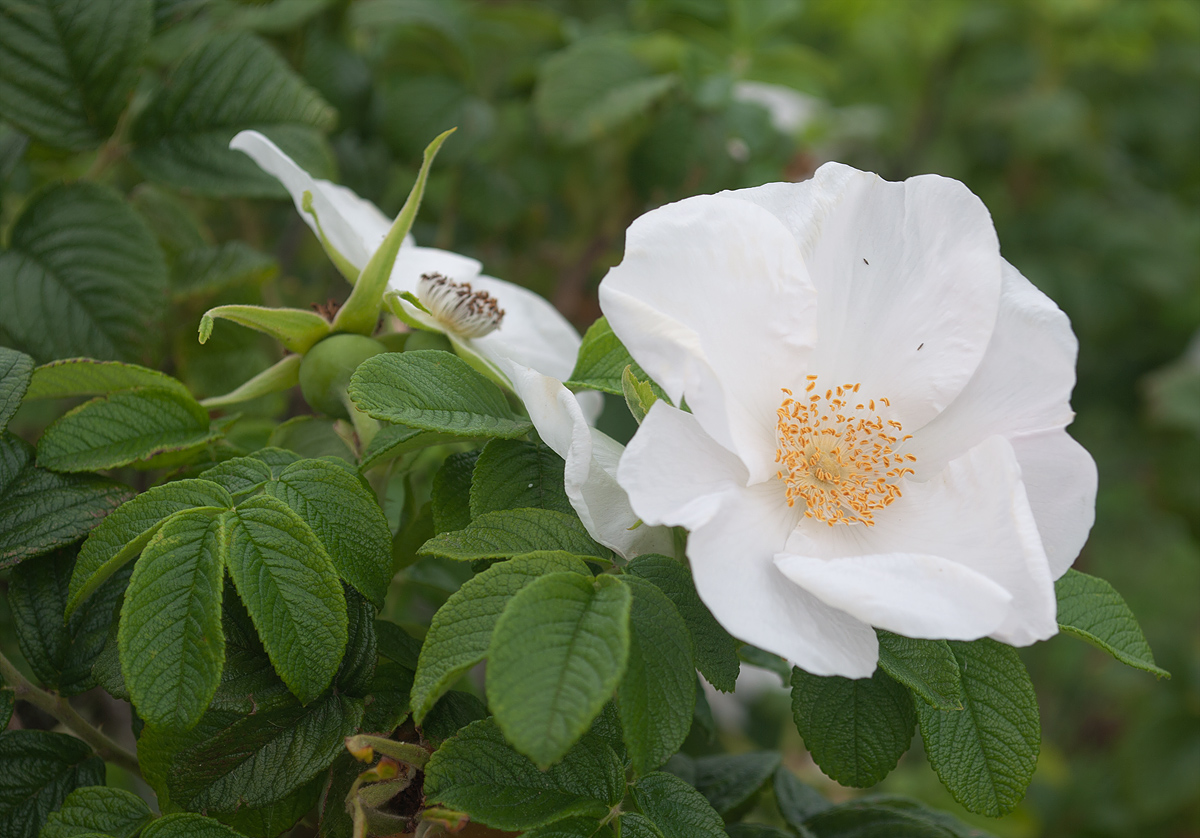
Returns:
(1076,121)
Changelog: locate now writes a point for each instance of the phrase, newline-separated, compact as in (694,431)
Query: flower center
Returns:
(838,455)
(468,313)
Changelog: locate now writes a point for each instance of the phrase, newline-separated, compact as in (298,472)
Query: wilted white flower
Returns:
(877,410)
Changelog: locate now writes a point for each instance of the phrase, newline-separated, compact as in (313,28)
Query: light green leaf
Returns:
(171,643)
(207,270)
(182,137)
(15,372)
(261,759)
(393,440)
(728,781)
(450,502)
(124,533)
(639,395)
(461,630)
(123,428)
(346,518)
(677,809)
(41,510)
(478,772)
(68,68)
(188,825)
(110,811)
(516,532)
(602,360)
(38,769)
(515,474)
(658,692)
(716,652)
(82,276)
(1090,608)
(298,330)
(289,586)
(856,729)
(241,477)
(985,754)
(89,377)
(927,667)
(434,391)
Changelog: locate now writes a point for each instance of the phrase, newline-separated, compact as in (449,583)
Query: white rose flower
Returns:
(877,411)
(482,315)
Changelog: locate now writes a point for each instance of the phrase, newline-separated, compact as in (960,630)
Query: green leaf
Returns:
(756,830)
(188,825)
(716,651)
(602,360)
(639,395)
(202,271)
(434,391)
(182,137)
(677,809)
(927,667)
(290,588)
(452,492)
(123,428)
(41,510)
(261,759)
(657,694)
(461,630)
(15,370)
(312,436)
(389,703)
(729,781)
(282,375)
(114,812)
(856,729)
(60,652)
(516,532)
(89,377)
(894,817)
(634,825)
(985,754)
(345,516)
(8,701)
(68,69)
(38,769)
(393,440)
(516,474)
(454,711)
(1090,608)
(82,276)
(357,671)
(298,330)
(171,643)
(557,653)
(241,477)
(248,683)
(124,533)
(797,801)
(574,828)
(478,772)
(397,644)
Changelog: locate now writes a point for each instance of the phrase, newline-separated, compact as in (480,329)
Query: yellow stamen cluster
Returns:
(839,455)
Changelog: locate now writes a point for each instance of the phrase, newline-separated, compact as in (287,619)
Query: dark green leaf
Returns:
(312,436)
(394,440)
(657,694)
(927,667)
(83,276)
(797,801)
(515,474)
(755,830)
(716,651)
(114,812)
(389,702)
(16,368)
(171,642)
(1090,608)
(182,137)
(397,644)
(38,769)
(248,682)
(461,630)
(856,729)
(602,361)
(7,703)
(454,711)
(280,816)
(68,69)
(434,391)
(41,510)
(574,828)
(634,825)
(206,270)
(888,817)
(357,671)
(478,772)
(729,781)
(452,492)
(557,653)
(516,532)
(677,809)
(188,825)
(985,754)
(89,377)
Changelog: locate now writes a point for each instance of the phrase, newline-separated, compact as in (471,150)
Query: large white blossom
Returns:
(876,404)
(517,323)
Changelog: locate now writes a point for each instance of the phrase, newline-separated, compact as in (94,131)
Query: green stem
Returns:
(59,708)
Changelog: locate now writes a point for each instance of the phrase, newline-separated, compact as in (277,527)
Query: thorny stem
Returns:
(59,708)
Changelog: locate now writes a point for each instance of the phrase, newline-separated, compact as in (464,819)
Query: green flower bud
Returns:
(326,369)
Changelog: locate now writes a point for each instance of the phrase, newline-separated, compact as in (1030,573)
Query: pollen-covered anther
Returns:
(462,310)
(842,460)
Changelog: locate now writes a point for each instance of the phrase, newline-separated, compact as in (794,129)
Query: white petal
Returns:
(413,261)
(975,512)
(914,595)
(591,462)
(533,332)
(1023,383)
(1060,480)
(907,278)
(713,300)
(354,227)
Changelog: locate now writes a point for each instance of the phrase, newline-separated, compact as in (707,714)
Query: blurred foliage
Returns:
(1076,121)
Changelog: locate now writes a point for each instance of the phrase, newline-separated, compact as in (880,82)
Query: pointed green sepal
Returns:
(274,378)
(361,312)
(339,261)
(295,328)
